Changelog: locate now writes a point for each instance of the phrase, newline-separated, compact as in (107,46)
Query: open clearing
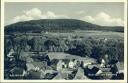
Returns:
(61,55)
(93,34)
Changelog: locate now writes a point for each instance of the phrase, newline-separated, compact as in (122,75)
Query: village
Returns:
(58,66)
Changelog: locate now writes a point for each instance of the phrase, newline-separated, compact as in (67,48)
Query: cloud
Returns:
(104,19)
(35,14)
(101,18)
(80,12)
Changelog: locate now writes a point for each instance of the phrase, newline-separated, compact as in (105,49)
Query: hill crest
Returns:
(57,24)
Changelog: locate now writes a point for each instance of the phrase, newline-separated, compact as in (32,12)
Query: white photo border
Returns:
(98,81)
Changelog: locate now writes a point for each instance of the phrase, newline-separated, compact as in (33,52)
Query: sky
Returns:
(100,13)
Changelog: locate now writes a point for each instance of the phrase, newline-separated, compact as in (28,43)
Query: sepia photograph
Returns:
(64,41)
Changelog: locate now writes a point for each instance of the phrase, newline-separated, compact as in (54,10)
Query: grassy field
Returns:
(93,34)
(79,34)
(61,55)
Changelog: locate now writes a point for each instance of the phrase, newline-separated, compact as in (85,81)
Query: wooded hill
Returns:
(58,25)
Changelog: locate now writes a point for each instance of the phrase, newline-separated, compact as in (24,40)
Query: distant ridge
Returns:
(57,24)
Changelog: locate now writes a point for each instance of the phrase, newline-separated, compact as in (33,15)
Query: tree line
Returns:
(85,47)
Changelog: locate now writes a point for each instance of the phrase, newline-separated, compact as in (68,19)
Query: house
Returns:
(40,67)
(86,62)
(30,66)
(32,74)
(105,39)
(120,67)
(10,54)
(42,74)
(80,74)
(66,61)
(60,65)
(36,66)
(63,74)
(72,63)
(24,56)
(59,76)
(102,63)
(46,32)
(99,72)
(54,63)
(29,60)
(78,64)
